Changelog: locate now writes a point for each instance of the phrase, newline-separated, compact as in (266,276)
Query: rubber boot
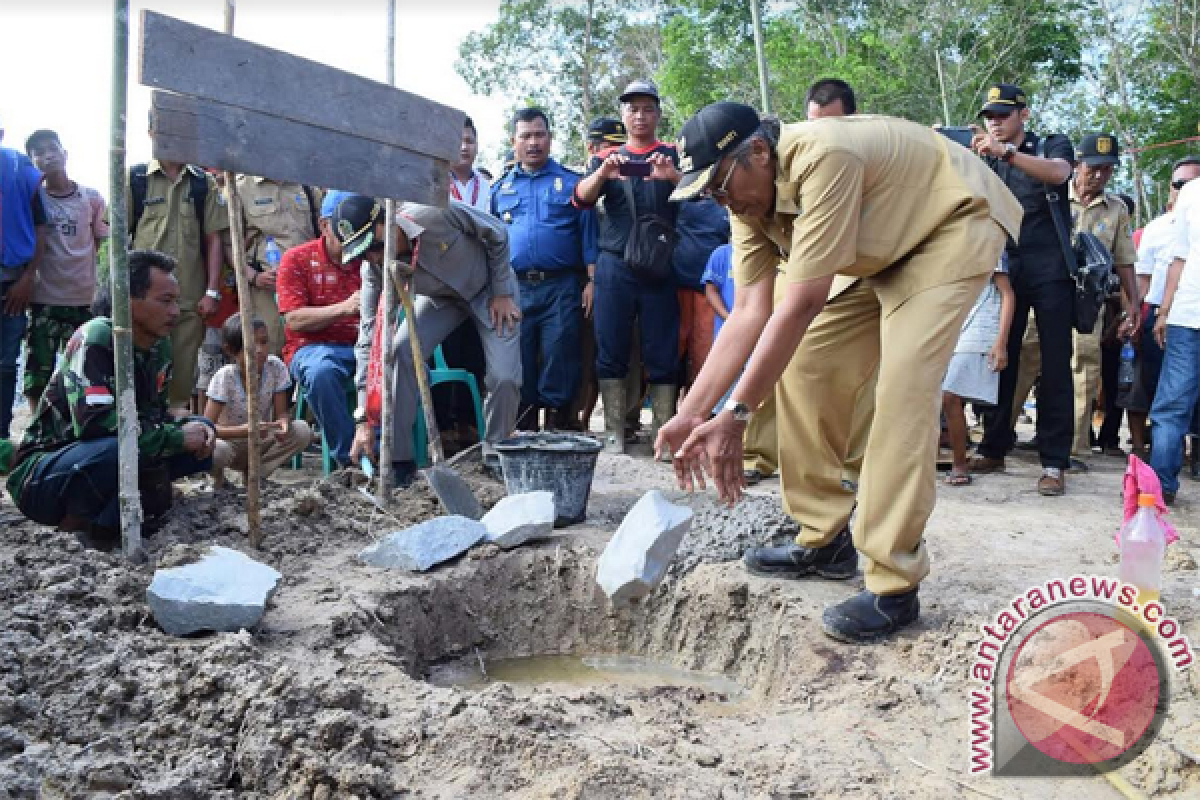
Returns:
(662,404)
(612,395)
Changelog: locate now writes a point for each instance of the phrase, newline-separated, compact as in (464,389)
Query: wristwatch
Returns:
(360,416)
(741,412)
(213,293)
(1010,150)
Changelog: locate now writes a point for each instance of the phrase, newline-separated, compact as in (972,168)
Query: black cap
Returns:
(354,225)
(607,130)
(704,141)
(1004,98)
(1099,149)
(641,88)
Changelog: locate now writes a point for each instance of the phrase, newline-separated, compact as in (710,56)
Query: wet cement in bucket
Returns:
(589,670)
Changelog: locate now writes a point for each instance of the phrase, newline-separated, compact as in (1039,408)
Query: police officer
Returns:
(1033,168)
(170,224)
(927,229)
(287,213)
(553,246)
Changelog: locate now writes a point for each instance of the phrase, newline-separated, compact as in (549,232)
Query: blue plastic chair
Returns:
(301,399)
(441,373)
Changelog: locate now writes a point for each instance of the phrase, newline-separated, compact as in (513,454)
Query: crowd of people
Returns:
(922,271)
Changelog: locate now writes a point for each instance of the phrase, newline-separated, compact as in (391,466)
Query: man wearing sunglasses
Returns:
(1033,168)
(922,222)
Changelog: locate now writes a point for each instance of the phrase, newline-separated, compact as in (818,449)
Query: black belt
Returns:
(541,275)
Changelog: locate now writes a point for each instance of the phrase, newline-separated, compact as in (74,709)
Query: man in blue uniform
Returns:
(553,247)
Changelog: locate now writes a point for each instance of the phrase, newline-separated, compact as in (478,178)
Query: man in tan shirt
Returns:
(287,213)
(922,222)
(171,223)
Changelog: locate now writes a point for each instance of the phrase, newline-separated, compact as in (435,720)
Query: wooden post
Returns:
(760,52)
(384,491)
(237,234)
(128,495)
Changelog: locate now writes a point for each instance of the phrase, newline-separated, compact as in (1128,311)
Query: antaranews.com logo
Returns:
(1071,679)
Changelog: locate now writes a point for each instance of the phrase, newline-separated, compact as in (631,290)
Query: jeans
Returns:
(12,334)
(622,301)
(326,372)
(80,480)
(1052,305)
(1171,414)
(551,322)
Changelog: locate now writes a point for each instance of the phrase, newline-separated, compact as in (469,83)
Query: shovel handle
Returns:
(436,454)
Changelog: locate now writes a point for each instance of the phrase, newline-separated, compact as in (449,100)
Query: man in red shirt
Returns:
(318,297)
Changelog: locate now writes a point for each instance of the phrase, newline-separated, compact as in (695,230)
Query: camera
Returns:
(957,133)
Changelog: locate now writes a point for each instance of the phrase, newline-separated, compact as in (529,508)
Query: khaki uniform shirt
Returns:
(1106,218)
(281,210)
(855,195)
(169,224)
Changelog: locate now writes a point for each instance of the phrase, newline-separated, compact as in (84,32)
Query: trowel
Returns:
(454,493)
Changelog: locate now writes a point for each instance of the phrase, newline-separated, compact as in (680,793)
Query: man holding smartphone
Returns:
(644,170)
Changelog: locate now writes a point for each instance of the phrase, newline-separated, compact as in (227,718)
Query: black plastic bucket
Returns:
(563,463)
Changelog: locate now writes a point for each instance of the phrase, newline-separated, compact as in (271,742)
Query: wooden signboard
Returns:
(246,108)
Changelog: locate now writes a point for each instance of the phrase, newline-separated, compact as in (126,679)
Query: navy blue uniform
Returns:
(621,298)
(551,243)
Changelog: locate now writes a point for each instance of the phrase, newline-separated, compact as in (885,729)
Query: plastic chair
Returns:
(301,398)
(441,373)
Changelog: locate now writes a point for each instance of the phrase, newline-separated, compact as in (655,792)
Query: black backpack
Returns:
(137,189)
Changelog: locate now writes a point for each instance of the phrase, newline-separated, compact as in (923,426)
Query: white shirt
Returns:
(476,192)
(1185,308)
(1154,255)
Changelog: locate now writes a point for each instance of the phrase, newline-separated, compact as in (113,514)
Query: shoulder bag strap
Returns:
(1064,235)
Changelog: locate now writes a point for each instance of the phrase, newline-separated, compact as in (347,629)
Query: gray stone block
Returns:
(423,546)
(518,518)
(637,556)
(224,591)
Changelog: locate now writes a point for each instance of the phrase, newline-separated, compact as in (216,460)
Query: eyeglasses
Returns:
(721,194)
(1178,184)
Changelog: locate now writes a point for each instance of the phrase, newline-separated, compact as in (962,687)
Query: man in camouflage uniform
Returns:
(65,471)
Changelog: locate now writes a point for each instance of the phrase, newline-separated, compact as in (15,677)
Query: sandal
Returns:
(958,478)
(983,465)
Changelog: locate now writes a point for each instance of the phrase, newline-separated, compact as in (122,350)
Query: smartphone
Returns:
(958,133)
(638,169)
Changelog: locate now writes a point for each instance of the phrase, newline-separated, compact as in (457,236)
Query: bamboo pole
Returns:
(937,54)
(760,52)
(128,495)
(237,234)
(383,491)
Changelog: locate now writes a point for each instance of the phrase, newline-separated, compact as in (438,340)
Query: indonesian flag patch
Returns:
(98,396)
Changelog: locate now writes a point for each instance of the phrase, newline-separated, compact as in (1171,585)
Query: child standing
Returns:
(974,371)
(282,437)
(718,285)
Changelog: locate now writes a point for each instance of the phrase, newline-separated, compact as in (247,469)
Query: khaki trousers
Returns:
(186,339)
(1085,374)
(266,308)
(910,347)
(235,454)
(760,442)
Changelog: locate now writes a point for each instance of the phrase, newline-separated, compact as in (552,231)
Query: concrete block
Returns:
(637,556)
(224,591)
(518,518)
(423,546)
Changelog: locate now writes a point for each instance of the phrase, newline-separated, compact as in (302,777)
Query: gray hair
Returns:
(768,131)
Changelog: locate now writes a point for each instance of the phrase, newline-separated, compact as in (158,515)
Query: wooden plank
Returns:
(209,134)
(193,60)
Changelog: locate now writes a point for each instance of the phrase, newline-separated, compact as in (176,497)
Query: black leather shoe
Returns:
(868,617)
(837,560)
(1079,466)
(403,474)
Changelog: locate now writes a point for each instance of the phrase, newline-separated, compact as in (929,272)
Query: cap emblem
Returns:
(726,139)
(994,93)
(345,229)
(1104,145)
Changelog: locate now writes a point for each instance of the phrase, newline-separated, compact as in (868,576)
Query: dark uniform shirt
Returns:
(1038,257)
(545,230)
(703,226)
(650,196)
(80,401)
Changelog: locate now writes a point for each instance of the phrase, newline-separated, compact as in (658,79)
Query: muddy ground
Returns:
(328,698)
